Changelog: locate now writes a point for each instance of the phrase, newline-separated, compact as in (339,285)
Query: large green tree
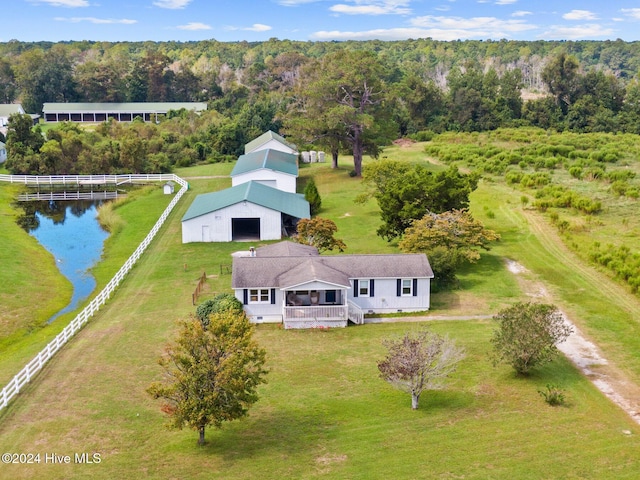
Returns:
(340,100)
(212,373)
(407,193)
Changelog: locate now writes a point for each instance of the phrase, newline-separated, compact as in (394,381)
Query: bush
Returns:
(221,303)
(527,335)
(312,196)
(553,395)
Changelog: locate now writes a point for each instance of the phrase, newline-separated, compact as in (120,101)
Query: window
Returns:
(407,287)
(363,288)
(260,295)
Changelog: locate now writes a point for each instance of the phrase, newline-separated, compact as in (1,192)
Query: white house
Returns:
(3,153)
(302,289)
(8,109)
(249,211)
(270,167)
(270,140)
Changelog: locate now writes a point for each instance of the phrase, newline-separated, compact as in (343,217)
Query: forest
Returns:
(414,88)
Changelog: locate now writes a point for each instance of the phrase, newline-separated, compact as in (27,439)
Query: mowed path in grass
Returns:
(324,412)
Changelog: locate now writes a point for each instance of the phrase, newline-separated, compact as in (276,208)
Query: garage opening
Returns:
(245,229)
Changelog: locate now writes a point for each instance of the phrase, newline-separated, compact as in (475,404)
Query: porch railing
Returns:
(335,312)
(355,313)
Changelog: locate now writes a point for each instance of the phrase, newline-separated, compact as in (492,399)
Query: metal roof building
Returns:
(123,112)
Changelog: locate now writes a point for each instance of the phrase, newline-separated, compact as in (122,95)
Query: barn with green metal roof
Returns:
(270,167)
(249,211)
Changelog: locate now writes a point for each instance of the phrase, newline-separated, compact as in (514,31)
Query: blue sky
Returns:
(318,20)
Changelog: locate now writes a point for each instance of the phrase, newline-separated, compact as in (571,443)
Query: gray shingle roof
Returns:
(286,249)
(290,203)
(264,138)
(283,272)
(267,159)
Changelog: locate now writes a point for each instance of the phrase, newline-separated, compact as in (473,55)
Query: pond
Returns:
(71,233)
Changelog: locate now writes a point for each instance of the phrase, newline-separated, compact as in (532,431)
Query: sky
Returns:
(318,20)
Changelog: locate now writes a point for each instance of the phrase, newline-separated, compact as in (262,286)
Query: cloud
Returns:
(579,15)
(63,3)
(97,21)
(373,7)
(194,26)
(505,2)
(256,27)
(582,32)
(172,4)
(632,12)
(294,3)
(438,28)
(521,13)
(477,27)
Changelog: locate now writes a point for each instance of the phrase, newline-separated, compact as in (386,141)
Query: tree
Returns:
(312,196)
(318,232)
(405,193)
(340,99)
(527,335)
(212,374)
(560,76)
(419,362)
(449,239)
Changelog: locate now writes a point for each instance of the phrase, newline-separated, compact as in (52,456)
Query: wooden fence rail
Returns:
(201,282)
(35,365)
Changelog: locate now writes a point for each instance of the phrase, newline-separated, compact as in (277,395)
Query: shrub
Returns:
(553,395)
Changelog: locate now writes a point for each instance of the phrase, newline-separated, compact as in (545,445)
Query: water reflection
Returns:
(71,233)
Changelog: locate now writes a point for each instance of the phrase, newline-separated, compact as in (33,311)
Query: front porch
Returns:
(319,309)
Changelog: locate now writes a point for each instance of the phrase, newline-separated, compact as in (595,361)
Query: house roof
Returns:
(264,138)
(8,109)
(283,272)
(131,107)
(286,249)
(267,159)
(290,203)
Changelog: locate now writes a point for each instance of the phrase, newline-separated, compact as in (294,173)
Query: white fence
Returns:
(34,366)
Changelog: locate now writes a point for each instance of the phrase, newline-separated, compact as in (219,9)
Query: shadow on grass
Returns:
(267,434)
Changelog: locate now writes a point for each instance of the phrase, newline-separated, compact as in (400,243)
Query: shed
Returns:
(3,152)
(270,167)
(249,211)
(271,140)
(168,188)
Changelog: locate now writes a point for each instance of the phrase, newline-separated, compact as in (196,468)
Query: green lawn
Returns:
(324,413)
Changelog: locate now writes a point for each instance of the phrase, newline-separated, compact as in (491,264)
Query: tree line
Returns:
(351,97)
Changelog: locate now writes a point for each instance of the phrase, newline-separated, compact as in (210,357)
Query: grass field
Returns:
(325,413)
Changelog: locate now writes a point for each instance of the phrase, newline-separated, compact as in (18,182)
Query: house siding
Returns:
(284,182)
(219,223)
(386,300)
(263,312)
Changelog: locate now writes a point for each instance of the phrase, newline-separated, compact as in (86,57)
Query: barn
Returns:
(250,211)
(123,112)
(270,167)
(270,140)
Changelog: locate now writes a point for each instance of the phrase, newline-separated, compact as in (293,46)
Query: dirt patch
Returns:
(403,142)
